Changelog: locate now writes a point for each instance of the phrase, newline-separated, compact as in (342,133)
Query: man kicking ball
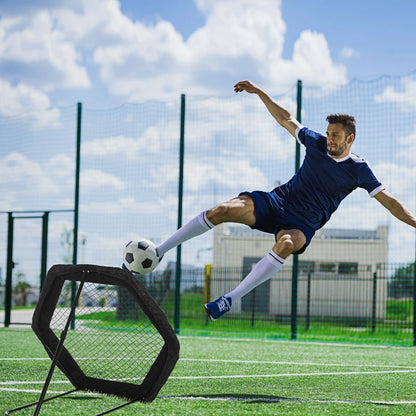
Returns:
(296,209)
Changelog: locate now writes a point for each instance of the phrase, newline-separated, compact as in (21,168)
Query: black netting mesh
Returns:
(115,339)
(111,337)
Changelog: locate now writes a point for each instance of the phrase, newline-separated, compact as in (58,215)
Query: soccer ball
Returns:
(140,256)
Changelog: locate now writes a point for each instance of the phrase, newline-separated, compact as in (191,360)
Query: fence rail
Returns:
(366,307)
(370,307)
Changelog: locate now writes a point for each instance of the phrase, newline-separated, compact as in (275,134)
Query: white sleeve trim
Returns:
(298,129)
(374,192)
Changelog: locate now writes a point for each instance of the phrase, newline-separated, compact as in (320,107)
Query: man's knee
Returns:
(285,245)
(219,214)
(288,242)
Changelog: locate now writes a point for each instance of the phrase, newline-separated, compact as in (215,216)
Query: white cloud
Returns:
(213,124)
(392,176)
(38,42)
(360,211)
(130,148)
(29,102)
(348,53)
(92,179)
(217,124)
(407,149)
(311,62)
(29,179)
(54,47)
(111,146)
(129,205)
(18,172)
(240,38)
(225,173)
(62,166)
(235,31)
(405,96)
(8,201)
(31,184)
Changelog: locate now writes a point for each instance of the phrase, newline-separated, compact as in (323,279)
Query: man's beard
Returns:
(338,150)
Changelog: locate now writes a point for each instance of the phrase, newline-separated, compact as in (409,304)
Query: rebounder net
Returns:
(119,342)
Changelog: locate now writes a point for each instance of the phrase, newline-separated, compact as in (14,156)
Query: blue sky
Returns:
(97,51)
(104,53)
(380,35)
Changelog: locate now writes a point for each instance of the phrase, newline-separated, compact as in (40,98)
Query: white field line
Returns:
(213,360)
(284,341)
(87,393)
(229,361)
(343,373)
(235,399)
(234,376)
(16,383)
(80,359)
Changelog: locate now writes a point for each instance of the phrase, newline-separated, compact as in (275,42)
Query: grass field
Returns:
(217,376)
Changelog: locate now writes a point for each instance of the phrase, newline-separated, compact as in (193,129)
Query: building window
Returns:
(348,268)
(328,268)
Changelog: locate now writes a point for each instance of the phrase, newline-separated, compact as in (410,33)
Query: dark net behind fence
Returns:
(129,189)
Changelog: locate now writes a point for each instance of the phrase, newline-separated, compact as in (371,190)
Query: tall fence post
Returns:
(253,307)
(76,203)
(294,309)
(9,271)
(207,287)
(44,254)
(414,304)
(308,301)
(374,310)
(180,201)
(77,181)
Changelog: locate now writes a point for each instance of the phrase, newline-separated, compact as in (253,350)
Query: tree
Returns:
(20,290)
(67,242)
(402,282)
(67,238)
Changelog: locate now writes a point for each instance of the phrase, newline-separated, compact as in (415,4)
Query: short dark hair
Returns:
(346,120)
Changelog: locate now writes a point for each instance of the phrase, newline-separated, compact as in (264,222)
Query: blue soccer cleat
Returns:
(218,307)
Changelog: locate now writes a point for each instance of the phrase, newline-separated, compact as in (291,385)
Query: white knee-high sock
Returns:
(265,269)
(197,226)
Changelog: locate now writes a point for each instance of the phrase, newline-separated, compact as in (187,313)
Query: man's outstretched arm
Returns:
(396,207)
(282,116)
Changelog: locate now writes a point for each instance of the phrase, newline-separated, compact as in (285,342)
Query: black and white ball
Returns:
(140,256)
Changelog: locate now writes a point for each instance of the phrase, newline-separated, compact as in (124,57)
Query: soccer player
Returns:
(296,209)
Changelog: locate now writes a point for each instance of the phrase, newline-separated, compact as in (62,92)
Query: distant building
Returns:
(340,264)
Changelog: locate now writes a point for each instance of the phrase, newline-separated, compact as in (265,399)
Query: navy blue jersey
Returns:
(322,182)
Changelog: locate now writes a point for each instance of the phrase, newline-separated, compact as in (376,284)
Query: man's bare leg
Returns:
(239,209)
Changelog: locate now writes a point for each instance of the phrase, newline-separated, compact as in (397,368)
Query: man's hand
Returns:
(282,116)
(246,86)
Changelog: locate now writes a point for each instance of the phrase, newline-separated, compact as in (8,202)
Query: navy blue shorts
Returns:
(271,218)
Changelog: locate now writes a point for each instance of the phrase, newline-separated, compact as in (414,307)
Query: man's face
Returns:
(337,142)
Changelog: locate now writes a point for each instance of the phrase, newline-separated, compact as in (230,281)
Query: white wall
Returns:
(330,295)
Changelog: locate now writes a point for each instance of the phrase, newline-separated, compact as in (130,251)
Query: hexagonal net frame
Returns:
(120,342)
